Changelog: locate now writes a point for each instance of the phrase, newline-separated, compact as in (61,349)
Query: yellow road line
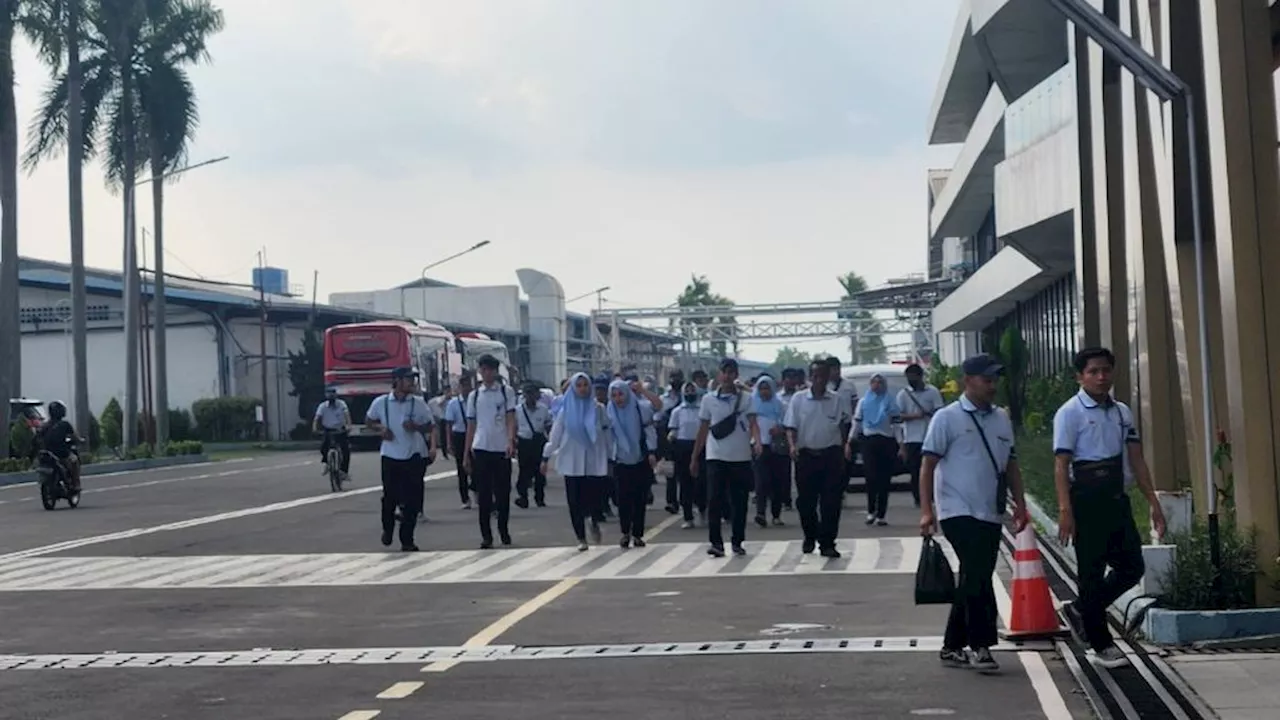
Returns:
(361,715)
(649,536)
(400,690)
(508,621)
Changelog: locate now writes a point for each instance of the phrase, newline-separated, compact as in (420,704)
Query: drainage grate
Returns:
(397,656)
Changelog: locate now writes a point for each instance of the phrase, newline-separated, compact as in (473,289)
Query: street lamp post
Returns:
(423,274)
(160,366)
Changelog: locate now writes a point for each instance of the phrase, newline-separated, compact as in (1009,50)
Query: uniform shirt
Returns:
(1087,430)
(847,393)
(487,409)
(928,398)
(884,429)
(736,447)
(437,404)
(684,422)
(965,483)
(392,413)
(332,417)
(816,421)
(539,416)
(670,401)
(574,458)
(455,415)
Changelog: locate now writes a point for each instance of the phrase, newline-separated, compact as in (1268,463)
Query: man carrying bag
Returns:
(969,459)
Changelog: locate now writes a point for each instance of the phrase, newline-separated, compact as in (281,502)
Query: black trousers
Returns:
(878,456)
(402,487)
(773,480)
(529,455)
(914,460)
(344,444)
(693,488)
(972,622)
(728,488)
(582,494)
(633,487)
(491,473)
(820,485)
(459,452)
(1106,536)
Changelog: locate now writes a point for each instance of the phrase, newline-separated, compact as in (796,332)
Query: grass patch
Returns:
(1035,458)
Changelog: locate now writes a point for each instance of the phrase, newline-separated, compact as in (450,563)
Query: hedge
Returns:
(225,419)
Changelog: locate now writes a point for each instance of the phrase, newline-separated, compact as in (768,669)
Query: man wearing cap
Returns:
(491,444)
(813,421)
(403,420)
(455,417)
(333,418)
(730,448)
(533,425)
(969,460)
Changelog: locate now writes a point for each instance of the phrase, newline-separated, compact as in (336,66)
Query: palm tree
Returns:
(866,344)
(10,330)
(136,97)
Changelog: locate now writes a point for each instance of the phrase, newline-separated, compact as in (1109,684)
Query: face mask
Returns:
(692,397)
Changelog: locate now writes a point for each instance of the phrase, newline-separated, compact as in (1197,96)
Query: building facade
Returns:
(1071,199)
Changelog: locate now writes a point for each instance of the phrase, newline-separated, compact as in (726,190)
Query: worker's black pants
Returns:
(402,488)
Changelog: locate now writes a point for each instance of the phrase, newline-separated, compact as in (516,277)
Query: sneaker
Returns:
(808,546)
(715,551)
(982,661)
(1110,658)
(739,550)
(486,545)
(408,548)
(882,522)
(639,542)
(506,539)
(831,553)
(582,546)
(672,509)
(871,519)
(466,506)
(386,538)
(954,658)
(324,468)
(1075,622)
(596,535)
(777,522)
(522,503)
(687,525)
(761,521)
(625,542)
(541,503)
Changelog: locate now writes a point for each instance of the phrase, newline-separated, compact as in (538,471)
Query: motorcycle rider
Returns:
(333,417)
(59,437)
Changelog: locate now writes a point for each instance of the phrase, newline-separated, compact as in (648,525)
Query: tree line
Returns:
(118,92)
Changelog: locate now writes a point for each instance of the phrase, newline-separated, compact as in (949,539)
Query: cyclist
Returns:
(333,418)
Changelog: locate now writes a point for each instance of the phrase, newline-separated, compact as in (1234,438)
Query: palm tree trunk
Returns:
(75,212)
(161,364)
(10,328)
(132,296)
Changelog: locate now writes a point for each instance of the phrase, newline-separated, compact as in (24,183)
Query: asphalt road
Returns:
(246,590)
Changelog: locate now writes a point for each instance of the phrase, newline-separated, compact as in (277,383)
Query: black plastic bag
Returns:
(935,582)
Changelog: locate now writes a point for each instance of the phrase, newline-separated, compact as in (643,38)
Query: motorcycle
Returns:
(55,481)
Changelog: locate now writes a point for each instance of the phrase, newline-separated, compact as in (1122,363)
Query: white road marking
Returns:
(361,715)
(1051,701)
(88,480)
(197,522)
(400,690)
(192,466)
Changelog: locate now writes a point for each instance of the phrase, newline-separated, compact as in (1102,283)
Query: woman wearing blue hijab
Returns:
(580,442)
(634,443)
(773,465)
(873,432)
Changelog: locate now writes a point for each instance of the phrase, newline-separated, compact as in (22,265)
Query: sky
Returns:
(770,145)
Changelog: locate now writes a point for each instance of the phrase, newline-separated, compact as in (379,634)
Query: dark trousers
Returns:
(693,488)
(609,491)
(914,459)
(344,444)
(491,472)
(459,452)
(633,486)
(773,479)
(973,614)
(529,454)
(1106,536)
(582,494)
(820,484)
(402,487)
(878,456)
(728,488)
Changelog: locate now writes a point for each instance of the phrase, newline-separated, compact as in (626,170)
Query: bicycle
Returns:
(334,459)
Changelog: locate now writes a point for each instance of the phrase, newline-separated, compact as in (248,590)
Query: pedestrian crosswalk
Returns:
(675,560)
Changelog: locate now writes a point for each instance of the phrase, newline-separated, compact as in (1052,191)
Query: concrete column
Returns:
(1086,254)
(1242,163)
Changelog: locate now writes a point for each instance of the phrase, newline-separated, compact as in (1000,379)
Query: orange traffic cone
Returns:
(1033,615)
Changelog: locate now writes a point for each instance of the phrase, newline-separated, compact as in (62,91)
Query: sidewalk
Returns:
(1237,686)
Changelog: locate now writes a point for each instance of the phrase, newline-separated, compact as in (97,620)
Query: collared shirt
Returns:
(392,413)
(332,417)
(847,393)
(670,402)
(437,404)
(575,458)
(539,416)
(487,408)
(684,422)
(930,401)
(1088,430)
(736,447)
(965,483)
(455,415)
(885,428)
(816,421)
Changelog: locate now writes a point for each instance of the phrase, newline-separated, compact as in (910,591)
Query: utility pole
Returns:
(262,339)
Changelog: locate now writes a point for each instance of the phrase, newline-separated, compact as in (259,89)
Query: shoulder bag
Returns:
(1002,478)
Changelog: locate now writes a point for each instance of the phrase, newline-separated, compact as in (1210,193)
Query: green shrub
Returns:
(22,440)
(181,425)
(95,434)
(140,452)
(225,419)
(183,447)
(1189,582)
(301,431)
(13,465)
(112,424)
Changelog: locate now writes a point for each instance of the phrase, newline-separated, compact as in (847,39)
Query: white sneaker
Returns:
(324,468)
(1111,658)
(686,525)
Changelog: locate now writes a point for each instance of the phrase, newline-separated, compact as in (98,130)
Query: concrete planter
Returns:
(1184,627)
(104,468)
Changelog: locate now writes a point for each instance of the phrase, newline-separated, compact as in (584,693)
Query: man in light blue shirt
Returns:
(455,417)
(969,457)
(404,421)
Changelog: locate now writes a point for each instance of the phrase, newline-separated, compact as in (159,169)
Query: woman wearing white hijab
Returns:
(580,442)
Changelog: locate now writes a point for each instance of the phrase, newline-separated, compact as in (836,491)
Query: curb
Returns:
(111,467)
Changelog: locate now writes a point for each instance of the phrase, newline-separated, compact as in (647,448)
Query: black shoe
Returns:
(506,538)
(672,509)
(830,552)
(625,542)
(982,661)
(486,545)
(739,550)
(522,503)
(954,659)
(408,548)
(541,503)
(386,538)
(639,542)
(761,521)
(716,551)
(808,546)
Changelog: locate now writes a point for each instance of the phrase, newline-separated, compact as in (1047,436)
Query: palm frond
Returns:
(47,134)
(114,165)
(42,23)
(177,32)
(172,116)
